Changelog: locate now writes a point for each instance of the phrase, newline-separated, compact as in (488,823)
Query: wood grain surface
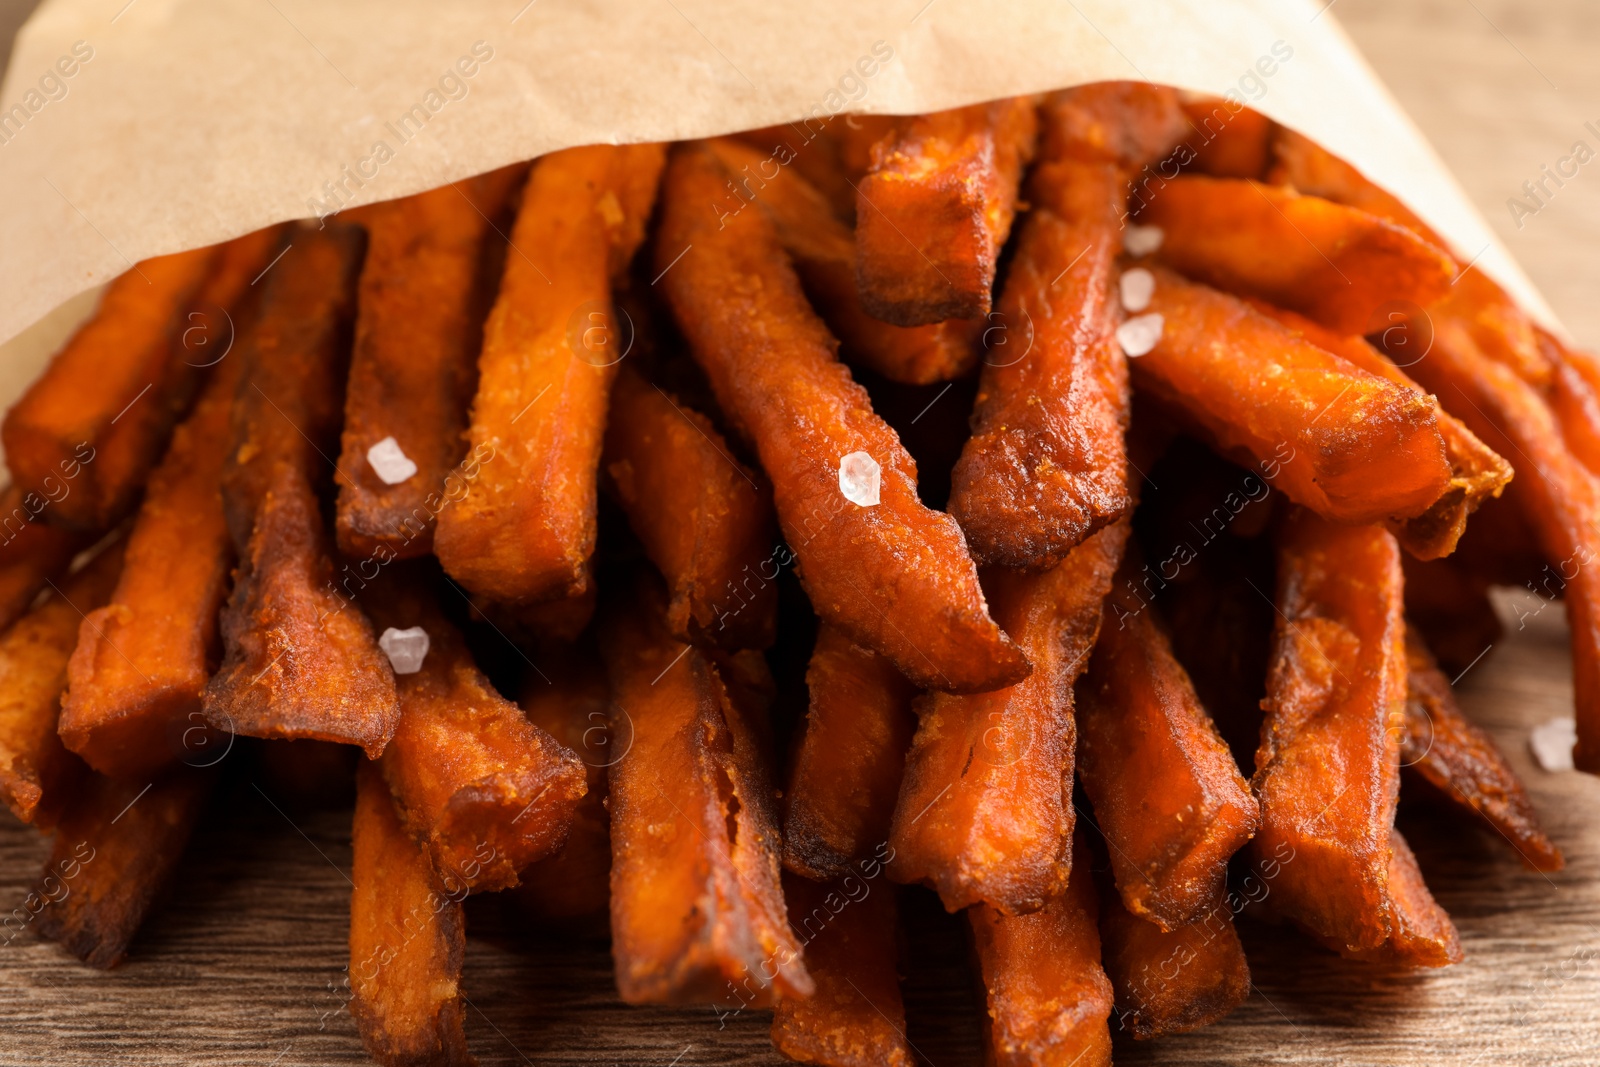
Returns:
(243,962)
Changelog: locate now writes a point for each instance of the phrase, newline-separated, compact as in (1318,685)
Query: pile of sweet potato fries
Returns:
(653,416)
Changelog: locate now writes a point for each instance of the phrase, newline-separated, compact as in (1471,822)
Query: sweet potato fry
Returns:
(1422,934)
(36,770)
(935,207)
(1348,444)
(985,811)
(1461,760)
(481,789)
(823,249)
(425,288)
(1048,997)
(1046,465)
(855,1018)
(1574,396)
(137,676)
(1327,771)
(1166,792)
(893,575)
(99,417)
(1230,140)
(123,838)
(697,910)
(817,154)
(705,520)
(524,529)
(407,942)
(1129,124)
(32,552)
(848,761)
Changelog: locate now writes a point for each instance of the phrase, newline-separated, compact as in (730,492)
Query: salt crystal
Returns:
(389,462)
(1142,240)
(1138,286)
(406,649)
(1139,334)
(1552,743)
(860,478)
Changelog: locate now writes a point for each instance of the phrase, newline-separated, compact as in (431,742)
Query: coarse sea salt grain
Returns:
(389,462)
(1137,286)
(1142,240)
(1552,743)
(1139,334)
(406,649)
(860,478)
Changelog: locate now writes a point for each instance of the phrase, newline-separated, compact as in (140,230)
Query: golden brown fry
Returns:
(1327,771)
(116,847)
(985,811)
(1046,465)
(848,761)
(894,576)
(1166,792)
(1048,997)
(705,520)
(483,791)
(935,207)
(1334,264)
(137,676)
(1422,934)
(407,941)
(1348,444)
(1230,140)
(855,1018)
(425,288)
(36,771)
(697,911)
(1459,758)
(1130,124)
(525,527)
(1574,396)
(32,552)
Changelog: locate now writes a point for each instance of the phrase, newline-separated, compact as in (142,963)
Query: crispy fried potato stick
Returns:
(425,288)
(36,771)
(1048,997)
(855,1018)
(705,520)
(1334,264)
(115,849)
(817,155)
(985,810)
(1166,792)
(1046,465)
(1230,141)
(934,209)
(1327,771)
(1422,934)
(848,761)
(525,527)
(1461,760)
(1574,397)
(483,791)
(894,576)
(1348,444)
(98,419)
(823,249)
(407,941)
(697,911)
(1130,124)
(32,552)
(136,679)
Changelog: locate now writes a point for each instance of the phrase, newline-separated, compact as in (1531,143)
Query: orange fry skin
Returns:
(1348,444)
(1171,982)
(137,677)
(1166,792)
(935,207)
(32,552)
(1129,124)
(895,577)
(985,811)
(849,759)
(1229,141)
(1327,771)
(425,289)
(407,941)
(116,847)
(1336,265)
(697,910)
(1046,464)
(705,520)
(36,770)
(525,528)
(856,1017)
